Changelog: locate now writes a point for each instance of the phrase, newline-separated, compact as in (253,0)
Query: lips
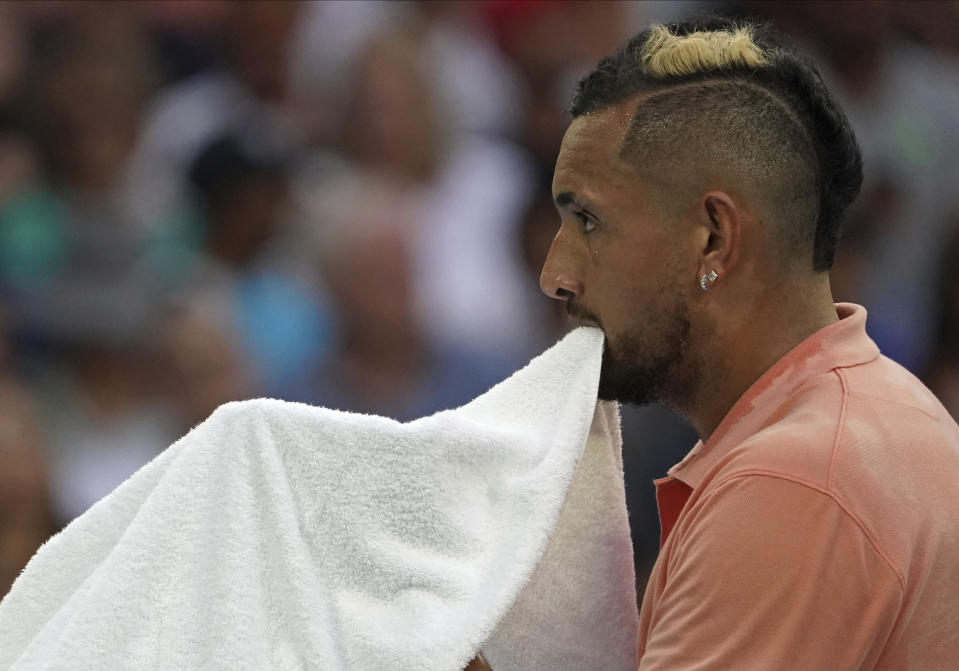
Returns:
(585,322)
(582,317)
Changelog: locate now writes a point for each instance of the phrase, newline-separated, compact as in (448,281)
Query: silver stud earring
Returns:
(707,277)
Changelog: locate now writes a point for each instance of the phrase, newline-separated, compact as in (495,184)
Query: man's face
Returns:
(619,263)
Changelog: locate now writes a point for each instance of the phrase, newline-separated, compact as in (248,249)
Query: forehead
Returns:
(589,164)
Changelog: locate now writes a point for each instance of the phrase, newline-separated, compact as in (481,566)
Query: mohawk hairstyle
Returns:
(735,95)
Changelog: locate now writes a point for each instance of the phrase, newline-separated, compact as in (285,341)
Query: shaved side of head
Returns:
(718,99)
(686,137)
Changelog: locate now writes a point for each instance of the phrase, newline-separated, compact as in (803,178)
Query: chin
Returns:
(631,396)
(632,383)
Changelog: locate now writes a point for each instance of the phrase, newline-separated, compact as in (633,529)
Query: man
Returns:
(701,185)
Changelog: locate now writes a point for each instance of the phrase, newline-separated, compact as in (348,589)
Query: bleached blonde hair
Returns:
(665,54)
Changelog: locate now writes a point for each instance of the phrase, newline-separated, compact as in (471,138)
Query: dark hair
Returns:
(229,162)
(749,93)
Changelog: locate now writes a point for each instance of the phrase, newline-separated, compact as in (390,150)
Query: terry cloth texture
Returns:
(283,536)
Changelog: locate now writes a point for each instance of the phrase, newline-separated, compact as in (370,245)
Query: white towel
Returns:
(283,536)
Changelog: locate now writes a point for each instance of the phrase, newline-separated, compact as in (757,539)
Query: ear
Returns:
(720,234)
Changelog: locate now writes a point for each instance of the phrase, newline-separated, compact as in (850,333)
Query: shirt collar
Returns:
(839,345)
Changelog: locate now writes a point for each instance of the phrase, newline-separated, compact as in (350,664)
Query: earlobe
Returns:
(722,219)
(707,279)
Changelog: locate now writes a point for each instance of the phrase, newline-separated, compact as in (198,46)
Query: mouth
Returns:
(583,321)
(579,316)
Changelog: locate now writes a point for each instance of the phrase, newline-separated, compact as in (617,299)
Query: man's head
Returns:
(697,148)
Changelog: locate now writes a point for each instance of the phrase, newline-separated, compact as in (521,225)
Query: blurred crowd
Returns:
(348,204)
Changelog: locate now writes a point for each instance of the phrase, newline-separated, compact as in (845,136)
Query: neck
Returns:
(747,343)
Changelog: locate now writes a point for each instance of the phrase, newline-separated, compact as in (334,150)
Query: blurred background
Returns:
(348,204)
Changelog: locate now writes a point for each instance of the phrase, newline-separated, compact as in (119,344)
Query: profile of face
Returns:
(620,263)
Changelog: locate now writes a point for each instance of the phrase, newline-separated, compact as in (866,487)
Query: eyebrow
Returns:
(566,198)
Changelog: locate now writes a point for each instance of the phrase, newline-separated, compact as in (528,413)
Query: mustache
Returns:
(577,311)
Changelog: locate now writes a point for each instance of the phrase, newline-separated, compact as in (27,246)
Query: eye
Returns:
(588,224)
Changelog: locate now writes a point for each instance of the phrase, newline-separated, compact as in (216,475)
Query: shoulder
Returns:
(894,433)
(797,440)
(762,571)
(764,518)
(883,379)
(870,439)
(875,415)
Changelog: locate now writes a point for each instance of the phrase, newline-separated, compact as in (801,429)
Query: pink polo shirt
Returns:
(817,528)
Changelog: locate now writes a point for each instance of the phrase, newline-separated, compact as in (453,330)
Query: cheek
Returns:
(620,300)
(634,293)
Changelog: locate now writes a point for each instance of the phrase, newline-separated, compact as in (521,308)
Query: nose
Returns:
(558,279)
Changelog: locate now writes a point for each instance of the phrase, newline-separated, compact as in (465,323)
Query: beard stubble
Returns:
(649,363)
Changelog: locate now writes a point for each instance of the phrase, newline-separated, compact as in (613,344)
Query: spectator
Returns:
(245,265)
(104,415)
(77,246)
(245,88)
(384,360)
(467,190)
(202,365)
(25,519)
